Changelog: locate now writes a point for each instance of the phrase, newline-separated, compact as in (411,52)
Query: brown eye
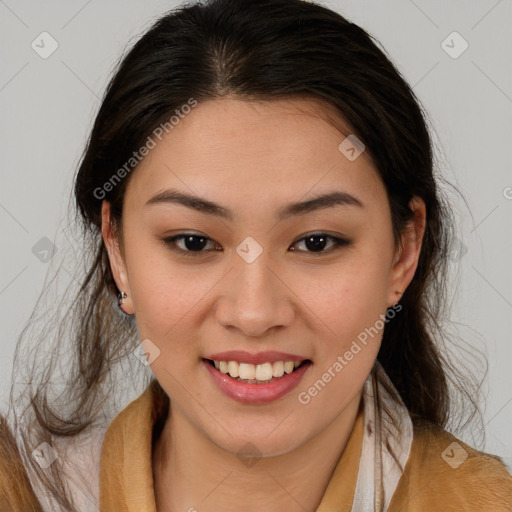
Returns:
(316,242)
(188,243)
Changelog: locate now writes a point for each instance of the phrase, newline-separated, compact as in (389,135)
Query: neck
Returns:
(192,473)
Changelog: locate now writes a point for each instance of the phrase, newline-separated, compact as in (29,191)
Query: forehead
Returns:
(239,151)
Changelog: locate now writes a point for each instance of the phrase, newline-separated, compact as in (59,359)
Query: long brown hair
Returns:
(75,365)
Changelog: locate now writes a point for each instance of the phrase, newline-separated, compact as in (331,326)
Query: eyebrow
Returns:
(333,199)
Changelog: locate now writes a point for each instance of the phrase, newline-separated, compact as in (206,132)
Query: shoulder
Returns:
(443,474)
(15,490)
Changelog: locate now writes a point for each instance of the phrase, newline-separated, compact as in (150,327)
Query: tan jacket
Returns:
(429,484)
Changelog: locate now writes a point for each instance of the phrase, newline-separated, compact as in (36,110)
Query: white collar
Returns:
(379,472)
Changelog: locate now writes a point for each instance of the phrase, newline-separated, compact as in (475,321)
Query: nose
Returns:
(256,299)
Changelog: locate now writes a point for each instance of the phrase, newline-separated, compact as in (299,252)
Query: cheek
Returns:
(348,324)
(162,292)
(346,299)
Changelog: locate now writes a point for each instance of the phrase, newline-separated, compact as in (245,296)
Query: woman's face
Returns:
(253,279)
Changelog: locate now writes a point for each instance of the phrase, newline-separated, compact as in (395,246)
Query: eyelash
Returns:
(338,243)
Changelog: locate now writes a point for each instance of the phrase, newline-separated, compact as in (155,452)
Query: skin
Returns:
(254,158)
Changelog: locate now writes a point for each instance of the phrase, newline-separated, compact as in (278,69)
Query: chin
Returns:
(247,443)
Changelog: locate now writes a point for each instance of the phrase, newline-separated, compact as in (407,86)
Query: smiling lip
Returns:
(248,393)
(241,356)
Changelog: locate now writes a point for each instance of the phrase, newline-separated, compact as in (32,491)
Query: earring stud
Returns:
(120,297)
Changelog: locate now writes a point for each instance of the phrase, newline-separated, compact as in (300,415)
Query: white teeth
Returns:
(288,366)
(246,371)
(278,369)
(264,371)
(233,368)
(261,372)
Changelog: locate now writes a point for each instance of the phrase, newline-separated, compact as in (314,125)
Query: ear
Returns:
(115,256)
(406,259)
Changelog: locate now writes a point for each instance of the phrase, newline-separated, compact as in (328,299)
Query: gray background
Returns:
(48,105)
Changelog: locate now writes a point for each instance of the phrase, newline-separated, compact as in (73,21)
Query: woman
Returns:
(259,197)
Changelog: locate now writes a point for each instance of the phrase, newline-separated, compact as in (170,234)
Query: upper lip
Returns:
(241,356)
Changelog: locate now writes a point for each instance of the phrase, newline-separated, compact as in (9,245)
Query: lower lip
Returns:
(256,393)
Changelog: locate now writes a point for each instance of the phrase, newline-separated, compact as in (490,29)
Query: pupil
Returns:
(189,242)
(315,246)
